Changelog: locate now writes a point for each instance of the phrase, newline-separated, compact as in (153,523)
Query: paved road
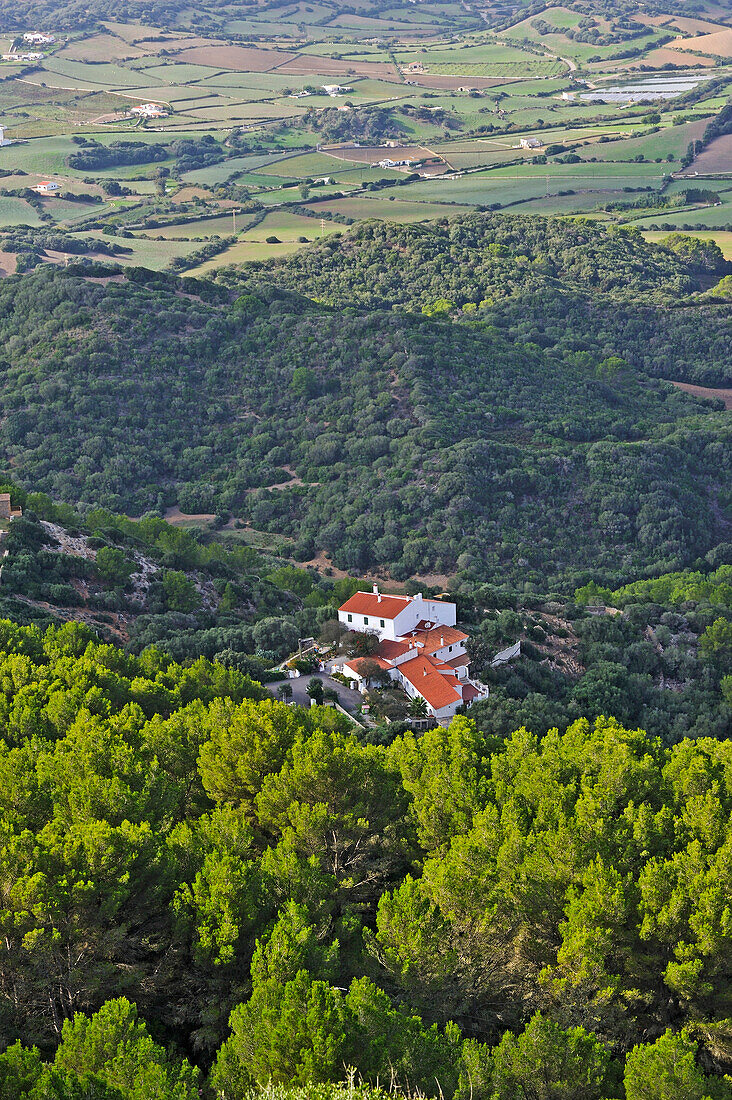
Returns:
(349,700)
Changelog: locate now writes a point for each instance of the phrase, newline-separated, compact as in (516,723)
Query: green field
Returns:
(271,139)
(108,76)
(289,226)
(44,155)
(148,253)
(14,211)
(671,140)
(222,226)
(707,216)
(386,209)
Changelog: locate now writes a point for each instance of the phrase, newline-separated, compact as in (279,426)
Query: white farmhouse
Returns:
(47,187)
(393,616)
(420,649)
(148,110)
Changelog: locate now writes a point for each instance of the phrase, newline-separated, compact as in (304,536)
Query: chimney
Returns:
(442,639)
(376,590)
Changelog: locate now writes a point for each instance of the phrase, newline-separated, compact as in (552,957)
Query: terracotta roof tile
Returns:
(355,663)
(368,603)
(437,638)
(462,661)
(389,650)
(438,689)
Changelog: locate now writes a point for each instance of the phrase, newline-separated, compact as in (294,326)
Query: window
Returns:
(450,650)
(381,622)
(350,618)
(365,620)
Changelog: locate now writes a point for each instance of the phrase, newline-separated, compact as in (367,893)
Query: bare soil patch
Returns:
(721,394)
(8,262)
(694,26)
(665,55)
(718,44)
(102,47)
(716,158)
(186,194)
(306,65)
(52,256)
(451,83)
(174,516)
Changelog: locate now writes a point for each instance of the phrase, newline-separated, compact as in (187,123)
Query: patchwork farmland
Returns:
(192,147)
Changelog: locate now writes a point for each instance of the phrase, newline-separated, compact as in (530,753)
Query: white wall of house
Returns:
(368,624)
(448,652)
(420,610)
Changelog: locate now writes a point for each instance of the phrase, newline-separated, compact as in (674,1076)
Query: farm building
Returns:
(37,38)
(6,509)
(148,110)
(335,89)
(47,187)
(420,649)
(530,143)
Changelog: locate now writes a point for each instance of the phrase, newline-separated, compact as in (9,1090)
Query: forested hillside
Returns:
(192,871)
(570,285)
(464,415)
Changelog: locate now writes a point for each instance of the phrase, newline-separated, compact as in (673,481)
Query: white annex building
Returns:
(420,648)
(149,110)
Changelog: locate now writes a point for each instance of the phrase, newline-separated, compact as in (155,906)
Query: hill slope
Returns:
(395,439)
(569,284)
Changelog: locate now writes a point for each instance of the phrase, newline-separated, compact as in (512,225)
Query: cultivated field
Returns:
(248,124)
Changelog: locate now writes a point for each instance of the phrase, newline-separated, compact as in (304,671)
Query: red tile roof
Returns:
(439,689)
(437,638)
(368,603)
(355,663)
(390,650)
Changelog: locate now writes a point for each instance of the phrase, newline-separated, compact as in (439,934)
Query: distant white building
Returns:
(530,143)
(395,163)
(3,139)
(148,110)
(335,89)
(47,187)
(36,38)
